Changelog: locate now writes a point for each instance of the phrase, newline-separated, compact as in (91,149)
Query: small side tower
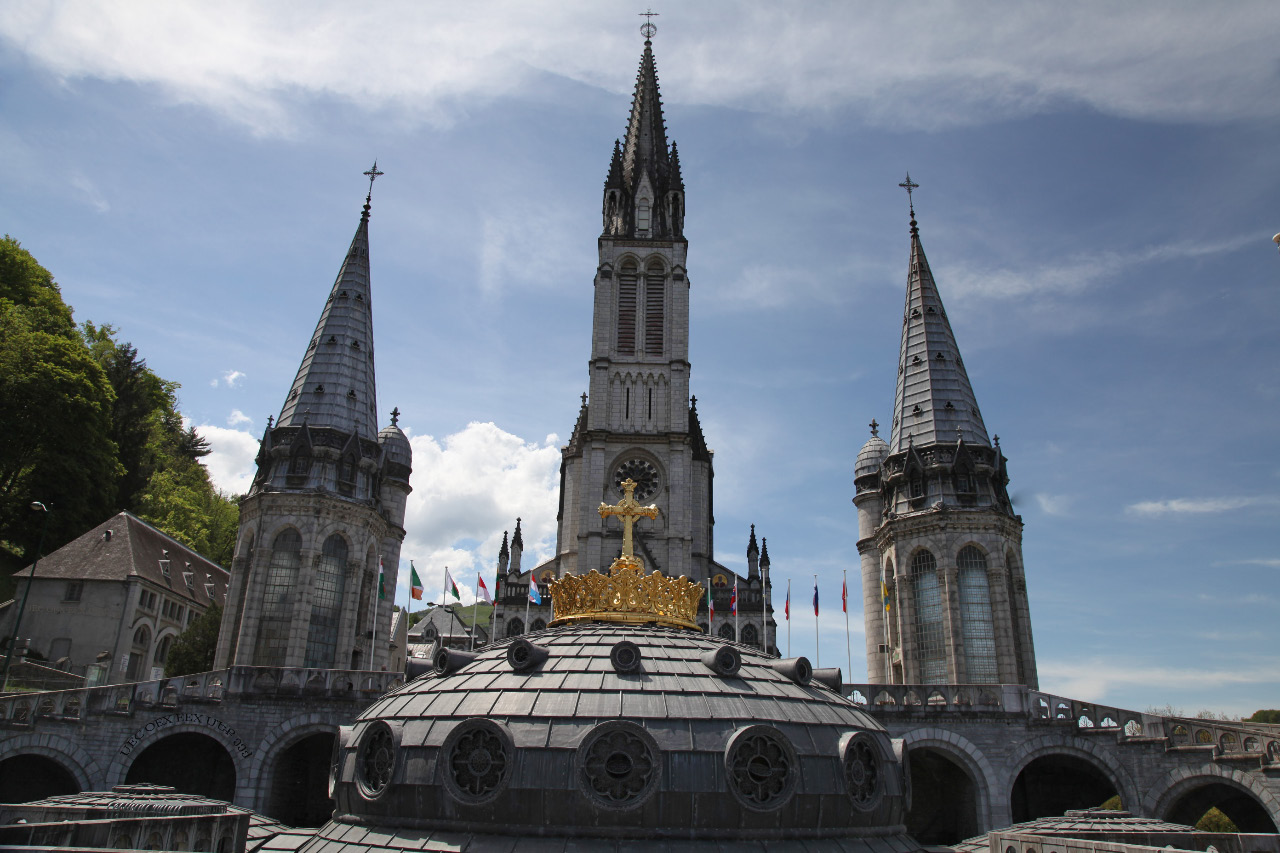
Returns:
(943,588)
(327,504)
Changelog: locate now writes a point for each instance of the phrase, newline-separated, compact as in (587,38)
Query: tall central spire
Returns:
(644,190)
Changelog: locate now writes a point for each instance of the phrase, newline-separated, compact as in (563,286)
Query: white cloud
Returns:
(249,60)
(1075,275)
(468,489)
(1198,506)
(230,463)
(1054,504)
(232,378)
(238,417)
(1092,680)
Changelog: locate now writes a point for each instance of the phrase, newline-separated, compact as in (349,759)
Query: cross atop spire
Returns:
(372,174)
(647,29)
(875,427)
(910,185)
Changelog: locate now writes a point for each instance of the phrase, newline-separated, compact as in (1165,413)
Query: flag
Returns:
(415,582)
(711,607)
(535,594)
(733,599)
(815,599)
(484,591)
(449,585)
(844,596)
(884,595)
(787,609)
(382,583)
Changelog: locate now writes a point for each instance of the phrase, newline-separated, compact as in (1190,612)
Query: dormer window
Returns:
(190,579)
(300,465)
(917,487)
(966,483)
(164,568)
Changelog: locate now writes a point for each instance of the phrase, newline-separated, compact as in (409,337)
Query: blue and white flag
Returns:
(535,595)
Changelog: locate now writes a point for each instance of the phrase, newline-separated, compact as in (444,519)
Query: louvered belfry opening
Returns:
(654,316)
(628,281)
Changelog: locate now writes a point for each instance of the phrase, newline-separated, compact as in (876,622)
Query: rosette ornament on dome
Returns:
(626,594)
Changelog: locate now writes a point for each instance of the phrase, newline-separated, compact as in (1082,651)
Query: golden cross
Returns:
(628,509)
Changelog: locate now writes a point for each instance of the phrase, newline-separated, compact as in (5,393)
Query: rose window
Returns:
(862,774)
(479,757)
(644,475)
(377,760)
(619,765)
(762,768)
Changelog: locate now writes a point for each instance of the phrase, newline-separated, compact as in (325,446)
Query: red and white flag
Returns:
(484,591)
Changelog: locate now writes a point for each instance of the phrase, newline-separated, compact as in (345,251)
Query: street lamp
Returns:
(36,506)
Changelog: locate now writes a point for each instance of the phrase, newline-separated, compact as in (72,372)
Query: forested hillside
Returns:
(90,430)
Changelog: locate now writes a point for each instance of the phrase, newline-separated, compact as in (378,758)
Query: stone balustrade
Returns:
(202,688)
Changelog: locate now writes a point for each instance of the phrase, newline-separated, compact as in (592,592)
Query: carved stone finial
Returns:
(270,421)
(875,428)
(584,399)
(395,416)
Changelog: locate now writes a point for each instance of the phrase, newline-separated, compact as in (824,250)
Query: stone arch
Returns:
(235,747)
(264,765)
(82,766)
(1074,749)
(965,756)
(1169,794)
(726,631)
(164,642)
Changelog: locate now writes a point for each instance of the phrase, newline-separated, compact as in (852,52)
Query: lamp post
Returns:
(36,506)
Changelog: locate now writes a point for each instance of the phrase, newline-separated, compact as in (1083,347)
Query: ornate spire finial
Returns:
(584,399)
(910,185)
(395,416)
(875,428)
(270,421)
(647,29)
(693,401)
(373,174)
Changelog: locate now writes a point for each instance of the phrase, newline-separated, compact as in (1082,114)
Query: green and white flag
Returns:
(449,585)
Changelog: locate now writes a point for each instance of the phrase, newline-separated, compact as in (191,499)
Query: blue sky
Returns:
(1098,186)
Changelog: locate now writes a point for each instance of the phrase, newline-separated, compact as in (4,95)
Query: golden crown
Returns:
(626,595)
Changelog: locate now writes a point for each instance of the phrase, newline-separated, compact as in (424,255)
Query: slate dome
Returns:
(396,444)
(871,457)
(595,736)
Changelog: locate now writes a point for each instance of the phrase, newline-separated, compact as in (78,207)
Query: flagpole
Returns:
(844,602)
(475,615)
(817,650)
(788,617)
(493,627)
(737,611)
(711,611)
(373,639)
(884,622)
(528,599)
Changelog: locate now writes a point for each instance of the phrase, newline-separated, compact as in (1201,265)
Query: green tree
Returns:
(1265,716)
(1215,821)
(194,648)
(55,404)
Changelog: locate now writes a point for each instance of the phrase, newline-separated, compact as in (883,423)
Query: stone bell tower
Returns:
(943,587)
(639,421)
(327,503)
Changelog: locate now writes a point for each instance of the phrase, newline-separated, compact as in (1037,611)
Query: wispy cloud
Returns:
(1091,680)
(230,379)
(89,193)
(238,417)
(1267,562)
(251,61)
(1200,506)
(1054,504)
(1078,274)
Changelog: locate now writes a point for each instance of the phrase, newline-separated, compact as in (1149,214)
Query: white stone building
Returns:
(109,603)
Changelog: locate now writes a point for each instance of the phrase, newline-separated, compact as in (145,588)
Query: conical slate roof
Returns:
(645,147)
(334,386)
(934,397)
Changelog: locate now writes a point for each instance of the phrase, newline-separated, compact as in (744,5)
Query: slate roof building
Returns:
(943,587)
(326,508)
(638,419)
(109,603)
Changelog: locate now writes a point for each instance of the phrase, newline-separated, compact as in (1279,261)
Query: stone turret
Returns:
(327,503)
(943,587)
(753,556)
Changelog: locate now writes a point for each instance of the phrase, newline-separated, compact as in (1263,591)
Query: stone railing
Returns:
(202,688)
(1226,737)
(957,698)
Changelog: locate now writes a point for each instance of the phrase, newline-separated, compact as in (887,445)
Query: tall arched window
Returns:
(326,603)
(726,631)
(654,316)
(977,627)
(1016,598)
(138,657)
(277,599)
(930,652)
(628,278)
(750,635)
(515,627)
